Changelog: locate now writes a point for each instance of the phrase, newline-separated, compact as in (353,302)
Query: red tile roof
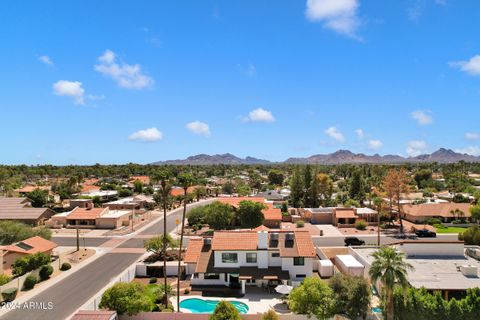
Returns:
(142,179)
(31,245)
(234,240)
(436,209)
(304,244)
(89,187)
(94,315)
(194,250)
(86,214)
(345,213)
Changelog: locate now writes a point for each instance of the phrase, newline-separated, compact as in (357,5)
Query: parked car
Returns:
(425,233)
(353,241)
(405,236)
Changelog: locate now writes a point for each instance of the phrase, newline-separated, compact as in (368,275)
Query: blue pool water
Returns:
(377,310)
(196,305)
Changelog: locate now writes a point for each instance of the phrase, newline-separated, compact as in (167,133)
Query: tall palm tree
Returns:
(185,181)
(164,195)
(390,268)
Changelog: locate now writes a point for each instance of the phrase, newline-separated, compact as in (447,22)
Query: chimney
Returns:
(262,239)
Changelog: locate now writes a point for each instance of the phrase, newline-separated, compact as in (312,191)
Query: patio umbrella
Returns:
(283,289)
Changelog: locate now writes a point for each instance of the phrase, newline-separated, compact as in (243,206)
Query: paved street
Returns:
(72,292)
(84,241)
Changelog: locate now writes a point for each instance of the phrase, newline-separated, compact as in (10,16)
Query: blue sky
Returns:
(88,82)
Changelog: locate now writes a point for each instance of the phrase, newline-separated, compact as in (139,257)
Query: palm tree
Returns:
(163,177)
(390,268)
(186,181)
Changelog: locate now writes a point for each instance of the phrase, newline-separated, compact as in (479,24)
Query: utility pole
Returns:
(78,240)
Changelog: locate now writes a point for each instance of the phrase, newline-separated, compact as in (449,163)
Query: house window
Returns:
(212,276)
(229,257)
(275,254)
(251,257)
(299,261)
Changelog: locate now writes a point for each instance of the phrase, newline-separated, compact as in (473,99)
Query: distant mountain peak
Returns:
(341,156)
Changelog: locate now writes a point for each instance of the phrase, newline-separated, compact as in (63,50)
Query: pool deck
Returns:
(257,303)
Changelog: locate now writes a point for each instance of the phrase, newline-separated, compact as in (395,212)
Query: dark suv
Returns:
(425,233)
(353,241)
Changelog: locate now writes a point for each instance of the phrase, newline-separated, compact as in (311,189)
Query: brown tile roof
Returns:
(88,188)
(194,250)
(304,243)
(345,213)
(95,315)
(436,209)
(86,214)
(272,213)
(261,228)
(29,188)
(31,245)
(234,240)
(19,209)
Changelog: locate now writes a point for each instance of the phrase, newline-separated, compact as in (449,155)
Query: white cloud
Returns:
(335,134)
(337,15)
(375,144)
(148,135)
(360,134)
(70,89)
(127,76)
(472,66)
(472,135)
(46,60)
(441,2)
(471,150)
(260,115)
(423,117)
(416,10)
(416,147)
(200,128)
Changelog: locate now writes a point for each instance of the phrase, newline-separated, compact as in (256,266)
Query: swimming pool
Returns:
(196,305)
(376,310)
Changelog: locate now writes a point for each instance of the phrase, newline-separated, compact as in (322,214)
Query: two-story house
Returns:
(241,258)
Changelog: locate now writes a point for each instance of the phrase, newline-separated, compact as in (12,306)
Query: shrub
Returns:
(30,282)
(300,224)
(45,272)
(225,310)
(30,262)
(9,294)
(186,291)
(433,221)
(127,298)
(152,280)
(270,315)
(4,279)
(360,225)
(457,221)
(65,266)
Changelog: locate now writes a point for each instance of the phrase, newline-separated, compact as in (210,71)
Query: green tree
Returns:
(352,295)
(475,212)
(137,186)
(296,188)
(159,244)
(250,214)
(12,231)
(39,197)
(313,298)
(275,177)
(126,298)
(309,193)
(325,187)
(219,215)
(471,236)
(185,180)
(225,311)
(196,216)
(390,267)
(357,186)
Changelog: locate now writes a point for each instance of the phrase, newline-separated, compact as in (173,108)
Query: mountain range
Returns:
(442,155)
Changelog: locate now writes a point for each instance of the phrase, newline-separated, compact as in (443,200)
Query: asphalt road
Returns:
(72,292)
(72,241)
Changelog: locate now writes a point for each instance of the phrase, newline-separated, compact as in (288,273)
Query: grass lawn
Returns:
(450,229)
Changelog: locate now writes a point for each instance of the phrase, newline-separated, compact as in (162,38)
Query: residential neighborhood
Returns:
(239,160)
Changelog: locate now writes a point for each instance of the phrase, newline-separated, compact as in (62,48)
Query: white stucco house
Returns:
(250,258)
